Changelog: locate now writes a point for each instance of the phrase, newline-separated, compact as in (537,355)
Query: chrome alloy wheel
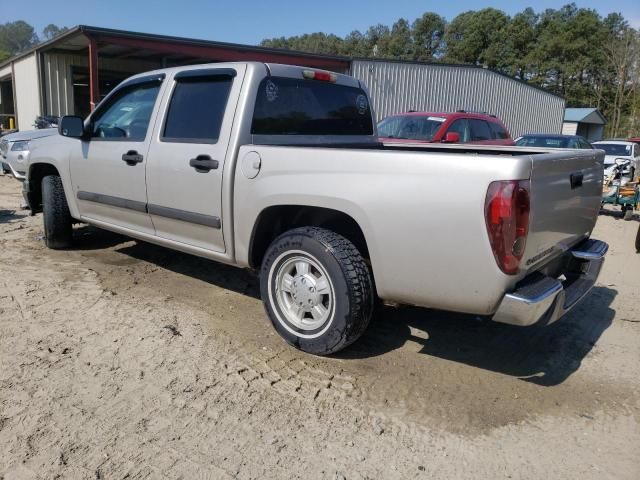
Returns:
(304,292)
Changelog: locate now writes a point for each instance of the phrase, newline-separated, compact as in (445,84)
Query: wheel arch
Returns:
(277,219)
(37,171)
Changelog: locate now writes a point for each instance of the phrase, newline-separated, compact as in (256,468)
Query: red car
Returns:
(453,127)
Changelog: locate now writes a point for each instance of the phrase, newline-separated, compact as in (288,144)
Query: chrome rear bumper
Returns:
(542,299)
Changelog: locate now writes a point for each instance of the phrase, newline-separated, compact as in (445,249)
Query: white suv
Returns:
(622,149)
(15,149)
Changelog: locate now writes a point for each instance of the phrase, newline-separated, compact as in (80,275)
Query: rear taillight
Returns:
(507,215)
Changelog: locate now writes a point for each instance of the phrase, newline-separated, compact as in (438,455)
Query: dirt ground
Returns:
(119,359)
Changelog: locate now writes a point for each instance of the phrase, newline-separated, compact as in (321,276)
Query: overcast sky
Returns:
(250,21)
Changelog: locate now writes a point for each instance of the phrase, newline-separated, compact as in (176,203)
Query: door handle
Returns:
(203,163)
(132,158)
(576,180)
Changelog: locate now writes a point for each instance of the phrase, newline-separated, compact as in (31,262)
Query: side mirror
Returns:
(71,126)
(451,137)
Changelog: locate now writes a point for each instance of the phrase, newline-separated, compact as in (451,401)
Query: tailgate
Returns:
(566,191)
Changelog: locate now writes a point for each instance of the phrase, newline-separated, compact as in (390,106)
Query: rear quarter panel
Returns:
(422,215)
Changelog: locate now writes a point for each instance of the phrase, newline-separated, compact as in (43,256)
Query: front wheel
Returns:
(628,213)
(55,213)
(317,290)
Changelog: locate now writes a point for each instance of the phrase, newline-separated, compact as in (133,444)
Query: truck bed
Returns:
(422,209)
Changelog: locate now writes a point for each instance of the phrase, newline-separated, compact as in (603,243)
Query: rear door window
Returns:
(479,130)
(196,109)
(498,131)
(290,106)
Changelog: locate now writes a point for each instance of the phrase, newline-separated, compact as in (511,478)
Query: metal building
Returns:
(72,72)
(402,86)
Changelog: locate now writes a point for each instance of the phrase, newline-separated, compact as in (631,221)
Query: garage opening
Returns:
(7,112)
(108,80)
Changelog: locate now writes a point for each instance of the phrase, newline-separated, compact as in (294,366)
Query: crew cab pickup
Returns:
(278,169)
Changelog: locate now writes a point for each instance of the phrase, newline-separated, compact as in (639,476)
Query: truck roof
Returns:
(615,142)
(275,69)
(448,115)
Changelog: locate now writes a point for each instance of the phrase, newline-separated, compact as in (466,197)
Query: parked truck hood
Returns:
(30,134)
(611,159)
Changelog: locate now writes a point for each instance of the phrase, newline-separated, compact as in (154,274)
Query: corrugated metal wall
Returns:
(58,81)
(58,84)
(397,87)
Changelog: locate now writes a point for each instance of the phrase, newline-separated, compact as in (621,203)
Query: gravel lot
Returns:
(119,359)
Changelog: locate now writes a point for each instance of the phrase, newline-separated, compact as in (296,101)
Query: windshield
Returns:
(411,127)
(543,142)
(614,149)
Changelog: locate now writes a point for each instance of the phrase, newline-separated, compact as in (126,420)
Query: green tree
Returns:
(378,37)
(471,37)
(4,55)
(356,44)
(511,55)
(428,36)
(622,58)
(568,53)
(52,31)
(400,44)
(16,37)
(317,42)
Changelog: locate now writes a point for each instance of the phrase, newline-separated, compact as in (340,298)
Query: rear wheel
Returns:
(628,213)
(55,214)
(316,289)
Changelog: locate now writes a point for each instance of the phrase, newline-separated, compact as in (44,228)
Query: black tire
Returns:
(628,213)
(638,240)
(351,287)
(55,214)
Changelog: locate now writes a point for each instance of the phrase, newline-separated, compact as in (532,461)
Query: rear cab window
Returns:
(290,106)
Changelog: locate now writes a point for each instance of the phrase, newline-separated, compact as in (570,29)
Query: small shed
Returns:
(586,122)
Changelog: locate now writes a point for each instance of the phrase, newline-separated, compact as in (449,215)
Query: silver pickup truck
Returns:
(278,169)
